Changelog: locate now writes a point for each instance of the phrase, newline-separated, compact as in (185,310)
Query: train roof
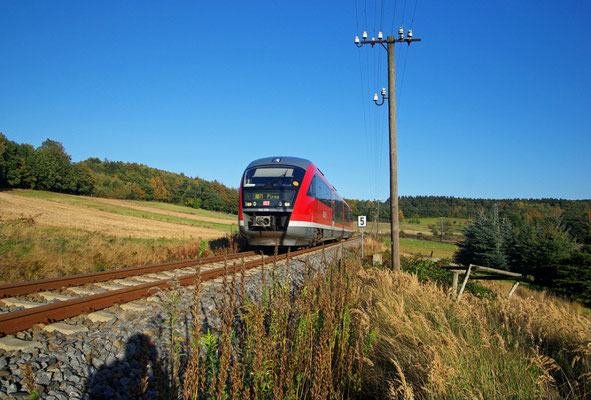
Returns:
(291,161)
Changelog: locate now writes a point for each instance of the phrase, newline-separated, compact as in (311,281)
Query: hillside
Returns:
(45,234)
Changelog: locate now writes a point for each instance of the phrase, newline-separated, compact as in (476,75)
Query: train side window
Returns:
(324,192)
(338,210)
(312,191)
(320,190)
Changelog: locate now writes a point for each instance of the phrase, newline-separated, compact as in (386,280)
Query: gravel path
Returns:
(107,360)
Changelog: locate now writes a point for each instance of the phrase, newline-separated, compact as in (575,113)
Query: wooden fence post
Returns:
(464,283)
(455,283)
(513,289)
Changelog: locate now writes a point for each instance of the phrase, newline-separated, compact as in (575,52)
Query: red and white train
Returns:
(287,201)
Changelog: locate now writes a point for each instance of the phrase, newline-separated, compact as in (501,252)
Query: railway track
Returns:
(70,296)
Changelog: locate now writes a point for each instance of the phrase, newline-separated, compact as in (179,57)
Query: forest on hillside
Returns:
(49,167)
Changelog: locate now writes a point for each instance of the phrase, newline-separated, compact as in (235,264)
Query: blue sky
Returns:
(494,102)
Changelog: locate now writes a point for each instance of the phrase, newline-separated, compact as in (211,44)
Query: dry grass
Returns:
(29,251)
(137,205)
(373,246)
(428,346)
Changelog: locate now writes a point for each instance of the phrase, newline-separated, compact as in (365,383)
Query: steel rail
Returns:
(28,287)
(20,320)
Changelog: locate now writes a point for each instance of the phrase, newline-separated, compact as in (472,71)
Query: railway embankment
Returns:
(99,355)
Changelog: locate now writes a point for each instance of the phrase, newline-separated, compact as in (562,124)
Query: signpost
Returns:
(362,223)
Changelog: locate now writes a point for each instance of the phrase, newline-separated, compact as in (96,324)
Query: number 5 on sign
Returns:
(362,221)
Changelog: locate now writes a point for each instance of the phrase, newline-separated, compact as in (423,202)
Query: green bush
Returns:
(431,271)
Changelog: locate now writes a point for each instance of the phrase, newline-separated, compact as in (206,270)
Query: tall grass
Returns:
(29,251)
(357,332)
(288,343)
(428,346)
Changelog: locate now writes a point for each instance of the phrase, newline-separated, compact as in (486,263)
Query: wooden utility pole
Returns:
(390,41)
(395,231)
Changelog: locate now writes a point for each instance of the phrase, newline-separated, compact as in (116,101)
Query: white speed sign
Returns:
(362,221)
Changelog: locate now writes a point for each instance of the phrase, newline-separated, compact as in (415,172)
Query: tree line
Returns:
(49,167)
(413,207)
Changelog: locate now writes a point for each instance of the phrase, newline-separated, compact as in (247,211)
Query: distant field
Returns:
(424,248)
(423,227)
(168,213)
(412,247)
(187,210)
(457,224)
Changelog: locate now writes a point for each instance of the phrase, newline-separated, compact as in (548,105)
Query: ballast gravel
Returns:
(107,361)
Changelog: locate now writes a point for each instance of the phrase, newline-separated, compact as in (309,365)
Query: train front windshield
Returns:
(274,177)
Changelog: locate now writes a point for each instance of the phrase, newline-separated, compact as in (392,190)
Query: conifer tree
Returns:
(489,240)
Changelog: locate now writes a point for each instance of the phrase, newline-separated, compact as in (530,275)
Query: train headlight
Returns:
(287,204)
(249,204)
(280,204)
(254,203)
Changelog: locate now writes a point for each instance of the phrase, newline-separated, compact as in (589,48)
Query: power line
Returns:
(403,14)
(413,14)
(394,15)
(402,79)
(381,17)
(356,17)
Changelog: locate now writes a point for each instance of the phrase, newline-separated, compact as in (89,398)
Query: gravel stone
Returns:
(43,378)
(10,388)
(20,396)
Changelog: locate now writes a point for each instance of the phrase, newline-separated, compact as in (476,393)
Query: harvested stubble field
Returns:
(46,234)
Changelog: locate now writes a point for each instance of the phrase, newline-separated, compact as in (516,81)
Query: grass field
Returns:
(426,248)
(411,247)
(187,210)
(151,210)
(423,227)
(45,234)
